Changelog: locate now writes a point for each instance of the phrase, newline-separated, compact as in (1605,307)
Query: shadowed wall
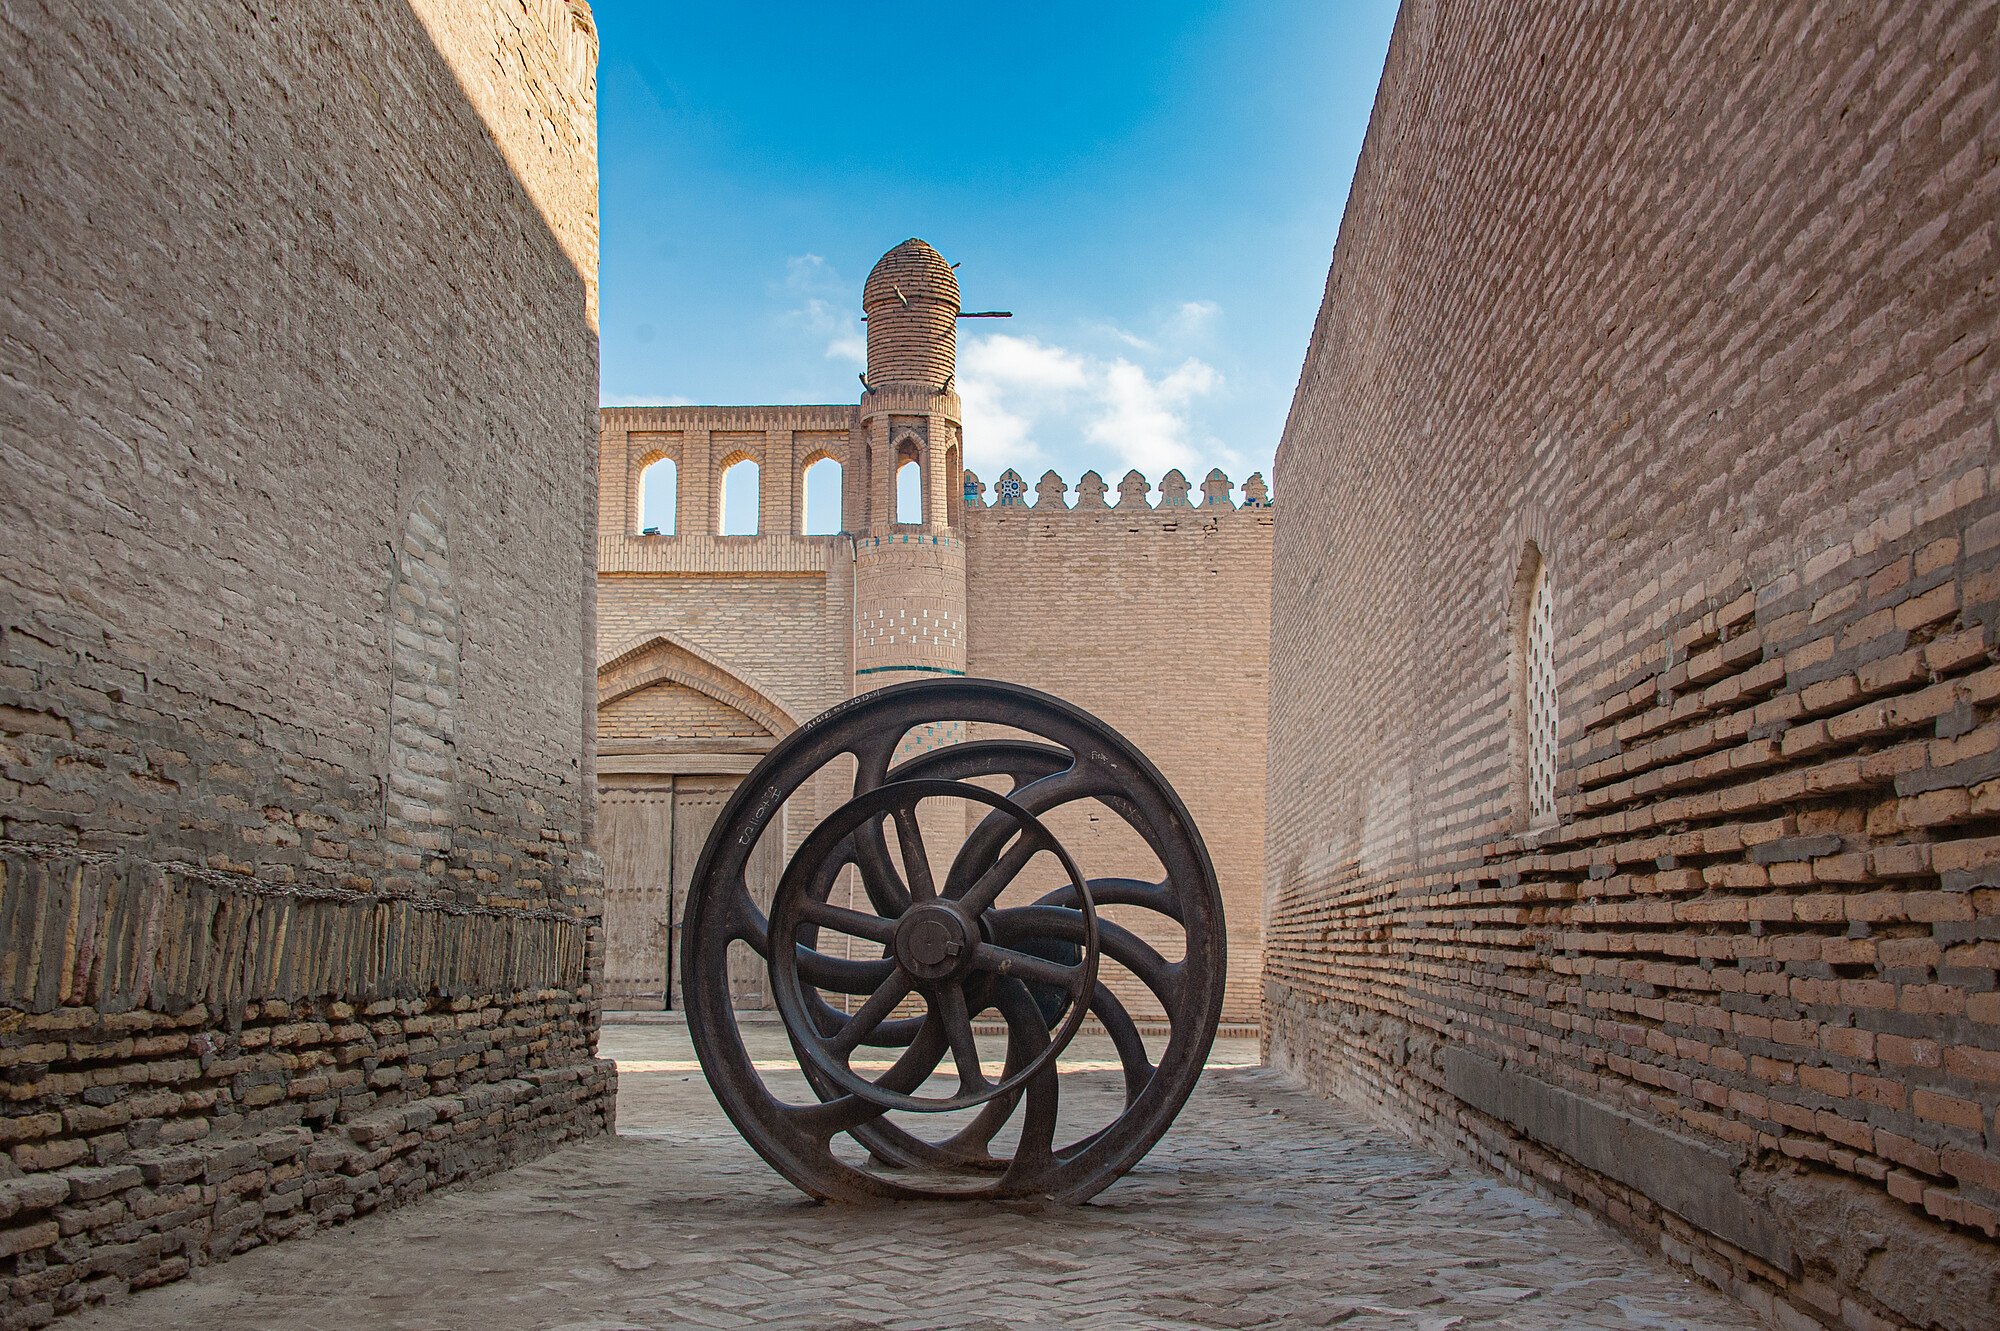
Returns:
(299,372)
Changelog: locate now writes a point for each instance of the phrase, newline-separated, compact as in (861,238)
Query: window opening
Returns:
(1541,699)
(739,500)
(910,493)
(823,498)
(659,491)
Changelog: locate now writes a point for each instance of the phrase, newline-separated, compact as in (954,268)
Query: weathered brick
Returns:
(1859,578)
(215,688)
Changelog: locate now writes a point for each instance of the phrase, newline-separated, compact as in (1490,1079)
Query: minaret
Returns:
(909,577)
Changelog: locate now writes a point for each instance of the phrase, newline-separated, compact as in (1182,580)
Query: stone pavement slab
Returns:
(1262,1208)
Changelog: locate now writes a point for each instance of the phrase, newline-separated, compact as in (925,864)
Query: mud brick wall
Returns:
(297,387)
(1697,302)
(1156,620)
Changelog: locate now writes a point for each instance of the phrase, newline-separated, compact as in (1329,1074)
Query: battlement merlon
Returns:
(1011,491)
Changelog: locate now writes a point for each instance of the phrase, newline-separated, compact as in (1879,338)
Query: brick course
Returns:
(1697,305)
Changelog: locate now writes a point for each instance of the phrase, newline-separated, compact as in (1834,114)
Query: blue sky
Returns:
(1153,190)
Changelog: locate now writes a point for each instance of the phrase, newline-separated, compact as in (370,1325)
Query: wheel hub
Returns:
(934,942)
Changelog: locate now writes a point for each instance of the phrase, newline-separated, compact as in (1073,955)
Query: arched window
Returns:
(739,499)
(1533,676)
(823,498)
(659,491)
(910,493)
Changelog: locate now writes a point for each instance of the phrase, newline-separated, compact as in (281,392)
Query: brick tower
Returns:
(909,620)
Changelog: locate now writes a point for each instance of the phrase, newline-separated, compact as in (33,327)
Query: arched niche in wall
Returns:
(1532,701)
(659,494)
(820,513)
(954,488)
(908,495)
(740,497)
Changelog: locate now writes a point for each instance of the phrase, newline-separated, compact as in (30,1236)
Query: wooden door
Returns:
(698,801)
(635,833)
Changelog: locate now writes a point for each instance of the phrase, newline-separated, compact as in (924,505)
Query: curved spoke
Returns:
(871,851)
(964,1048)
(870,1014)
(828,1020)
(878,875)
(1123,946)
(1159,897)
(1036,1150)
(968,1147)
(990,836)
(872,754)
(1124,1033)
(841,975)
(820,1122)
(973,1141)
(857,924)
(1020,966)
(916,864)
(851,1111)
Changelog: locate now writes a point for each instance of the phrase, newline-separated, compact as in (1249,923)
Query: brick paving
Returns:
(1263,1208)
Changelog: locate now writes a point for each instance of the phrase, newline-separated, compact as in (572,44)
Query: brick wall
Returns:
(671,709)
(1158,621)
(1694,304)
(771,630)
(298,916)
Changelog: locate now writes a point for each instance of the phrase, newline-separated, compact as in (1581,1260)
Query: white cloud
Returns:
(1192,318)
(1130,339)
(1144,419)
(1026,400)
(826,308)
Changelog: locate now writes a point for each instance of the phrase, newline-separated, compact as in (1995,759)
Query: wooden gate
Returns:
(651,832)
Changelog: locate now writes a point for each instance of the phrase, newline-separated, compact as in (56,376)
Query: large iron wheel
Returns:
(936,942)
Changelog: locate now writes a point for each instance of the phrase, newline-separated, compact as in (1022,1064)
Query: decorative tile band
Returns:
(924,670)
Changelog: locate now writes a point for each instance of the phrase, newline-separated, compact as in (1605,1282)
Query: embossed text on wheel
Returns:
(887,944)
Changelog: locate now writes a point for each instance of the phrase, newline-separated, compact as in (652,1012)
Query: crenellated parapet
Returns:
(1011,491)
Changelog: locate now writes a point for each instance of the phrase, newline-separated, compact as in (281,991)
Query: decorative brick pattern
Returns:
(671,709)
(1714,339)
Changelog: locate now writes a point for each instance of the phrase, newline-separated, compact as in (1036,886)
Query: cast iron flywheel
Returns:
(880,996)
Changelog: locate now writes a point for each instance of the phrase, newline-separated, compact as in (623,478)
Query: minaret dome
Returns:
(911,300)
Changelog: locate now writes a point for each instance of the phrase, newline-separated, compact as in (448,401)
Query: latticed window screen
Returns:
(1541,699)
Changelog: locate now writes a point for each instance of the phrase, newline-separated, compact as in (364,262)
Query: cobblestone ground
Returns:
(1262,1208)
